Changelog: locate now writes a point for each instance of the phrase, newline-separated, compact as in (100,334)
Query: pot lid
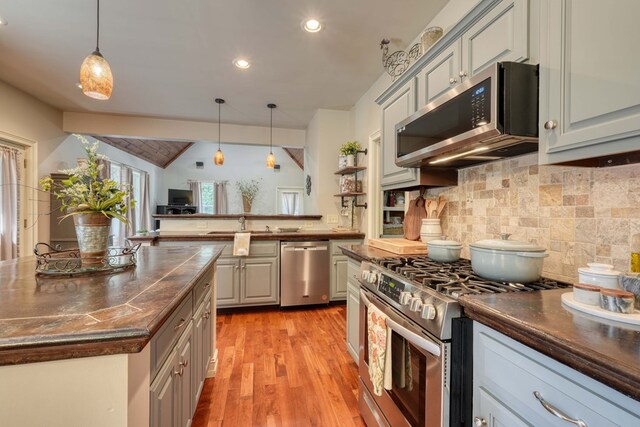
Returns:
(444,243)
(598,269)
(504,244)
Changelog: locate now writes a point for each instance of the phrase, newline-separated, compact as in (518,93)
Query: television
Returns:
(180,197)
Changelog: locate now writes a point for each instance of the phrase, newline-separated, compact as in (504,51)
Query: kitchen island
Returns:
(83,350)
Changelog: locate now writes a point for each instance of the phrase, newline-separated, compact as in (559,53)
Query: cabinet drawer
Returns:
(167,336)
(353,270)
(335,245)
(202,287)
(512,372)
(256,249)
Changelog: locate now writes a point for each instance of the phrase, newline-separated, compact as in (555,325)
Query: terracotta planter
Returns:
(92,230)
(246,204)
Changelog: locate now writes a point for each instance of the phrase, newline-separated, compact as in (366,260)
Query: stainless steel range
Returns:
(431,339)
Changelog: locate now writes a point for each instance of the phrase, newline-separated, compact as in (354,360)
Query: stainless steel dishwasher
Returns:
(304,273)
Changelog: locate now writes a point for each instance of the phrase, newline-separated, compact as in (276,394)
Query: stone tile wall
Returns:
(579,214)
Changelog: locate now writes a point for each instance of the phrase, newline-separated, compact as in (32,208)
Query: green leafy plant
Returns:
(85,192)
(248,188)
(350,147)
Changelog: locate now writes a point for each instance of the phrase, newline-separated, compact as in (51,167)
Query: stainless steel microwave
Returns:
(492,115)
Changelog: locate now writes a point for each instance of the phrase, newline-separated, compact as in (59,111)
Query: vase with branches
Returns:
(249,189)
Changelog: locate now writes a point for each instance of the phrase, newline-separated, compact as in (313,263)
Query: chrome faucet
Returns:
(242,220)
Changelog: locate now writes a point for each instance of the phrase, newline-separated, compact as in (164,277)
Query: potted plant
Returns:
(248,190)
(92,202)
(349,150)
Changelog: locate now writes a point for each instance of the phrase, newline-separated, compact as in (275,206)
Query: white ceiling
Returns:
(171,58)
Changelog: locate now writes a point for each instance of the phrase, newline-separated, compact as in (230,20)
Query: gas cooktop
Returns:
(457,278)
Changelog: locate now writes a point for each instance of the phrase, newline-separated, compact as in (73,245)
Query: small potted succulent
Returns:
(348,151)
(249,191)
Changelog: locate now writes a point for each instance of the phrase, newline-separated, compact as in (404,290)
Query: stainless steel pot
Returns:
(507,260)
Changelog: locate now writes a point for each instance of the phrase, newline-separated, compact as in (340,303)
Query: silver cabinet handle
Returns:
(462,73)
(479,422)
(551,124)
(557,412)
(180,372)
(206,314)
(452,81)
(179,325)
(184,363)
(207,285)
(236,267)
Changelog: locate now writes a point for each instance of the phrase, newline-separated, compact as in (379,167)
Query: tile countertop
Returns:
(49,318)
(175,236)
(605,350)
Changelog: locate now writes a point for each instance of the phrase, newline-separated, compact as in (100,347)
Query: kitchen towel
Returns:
(379,338)
(241,242)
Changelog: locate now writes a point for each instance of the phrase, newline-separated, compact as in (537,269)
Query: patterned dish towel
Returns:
(241,243)
(379,338)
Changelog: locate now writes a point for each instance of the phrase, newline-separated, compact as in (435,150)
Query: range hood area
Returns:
(492,115)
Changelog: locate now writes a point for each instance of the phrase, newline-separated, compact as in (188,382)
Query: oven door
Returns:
(418,398)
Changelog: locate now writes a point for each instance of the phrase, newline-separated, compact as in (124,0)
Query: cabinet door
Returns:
(163,395)
(439,75)
(494,413)
(259,284)
(501,35)
(184,389)
(353,318)
(589,86)
(199,339)
(397,108)
(228,281)
(339,278)
(207,332)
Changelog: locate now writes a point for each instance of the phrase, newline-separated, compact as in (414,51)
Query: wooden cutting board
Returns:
(399,246)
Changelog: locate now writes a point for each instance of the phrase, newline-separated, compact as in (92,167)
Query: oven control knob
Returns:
(415,304)
(365,275)
(404,298)
(373,277)
(428,312)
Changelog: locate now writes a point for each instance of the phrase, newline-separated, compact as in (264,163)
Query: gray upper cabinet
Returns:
(439,75)
(397,108)
(501,35)
(589,86)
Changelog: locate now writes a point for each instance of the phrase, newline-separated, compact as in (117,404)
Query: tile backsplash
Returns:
(579,214)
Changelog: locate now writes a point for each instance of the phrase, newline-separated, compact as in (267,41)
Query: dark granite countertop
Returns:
(247,216)
(258,235)
(366,252)
(605,350)
(49,318)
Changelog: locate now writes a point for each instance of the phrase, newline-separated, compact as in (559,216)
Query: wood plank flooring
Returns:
(281,368)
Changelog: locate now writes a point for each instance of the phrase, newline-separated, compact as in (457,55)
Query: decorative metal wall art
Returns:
(398,62)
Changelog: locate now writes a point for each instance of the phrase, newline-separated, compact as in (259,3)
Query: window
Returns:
(289,200)
(207,197)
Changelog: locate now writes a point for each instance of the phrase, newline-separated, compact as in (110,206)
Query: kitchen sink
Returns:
(236,231)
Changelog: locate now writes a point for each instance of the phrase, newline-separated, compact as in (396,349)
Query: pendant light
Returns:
(218,158)
(95,73)
(271,159)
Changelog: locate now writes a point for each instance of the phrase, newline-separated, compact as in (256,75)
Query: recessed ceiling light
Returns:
(241,63)
(3,21)
(312,25)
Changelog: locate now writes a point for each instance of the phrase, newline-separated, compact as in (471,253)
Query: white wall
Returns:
(240,162)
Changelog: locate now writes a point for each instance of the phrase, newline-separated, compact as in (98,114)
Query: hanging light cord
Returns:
(271,133)
(98,29)
(219,125)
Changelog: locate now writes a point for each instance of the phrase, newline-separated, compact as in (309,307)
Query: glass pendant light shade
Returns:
(271,161)
(95,77)
(218,158)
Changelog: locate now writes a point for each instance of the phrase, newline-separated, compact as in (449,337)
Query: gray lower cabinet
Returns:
(353,309)
(589,97)
(228,273)
(202,331)
(506,374)
(338,286)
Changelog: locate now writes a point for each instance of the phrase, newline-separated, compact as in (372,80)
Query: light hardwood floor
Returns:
(282,368)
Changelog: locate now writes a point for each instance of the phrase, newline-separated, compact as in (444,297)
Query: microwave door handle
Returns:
(412,337)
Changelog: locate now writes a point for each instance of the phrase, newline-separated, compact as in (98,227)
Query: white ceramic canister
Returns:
(602,275)
(430,229)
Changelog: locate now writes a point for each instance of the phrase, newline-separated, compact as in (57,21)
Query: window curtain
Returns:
(9,201)
(222,204)
(289,203)
(196,189)
(128,229)
(143,205)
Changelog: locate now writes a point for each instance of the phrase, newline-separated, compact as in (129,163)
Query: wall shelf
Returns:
(352,170)
(349,170)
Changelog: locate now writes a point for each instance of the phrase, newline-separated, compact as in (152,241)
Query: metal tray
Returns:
(55,262)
